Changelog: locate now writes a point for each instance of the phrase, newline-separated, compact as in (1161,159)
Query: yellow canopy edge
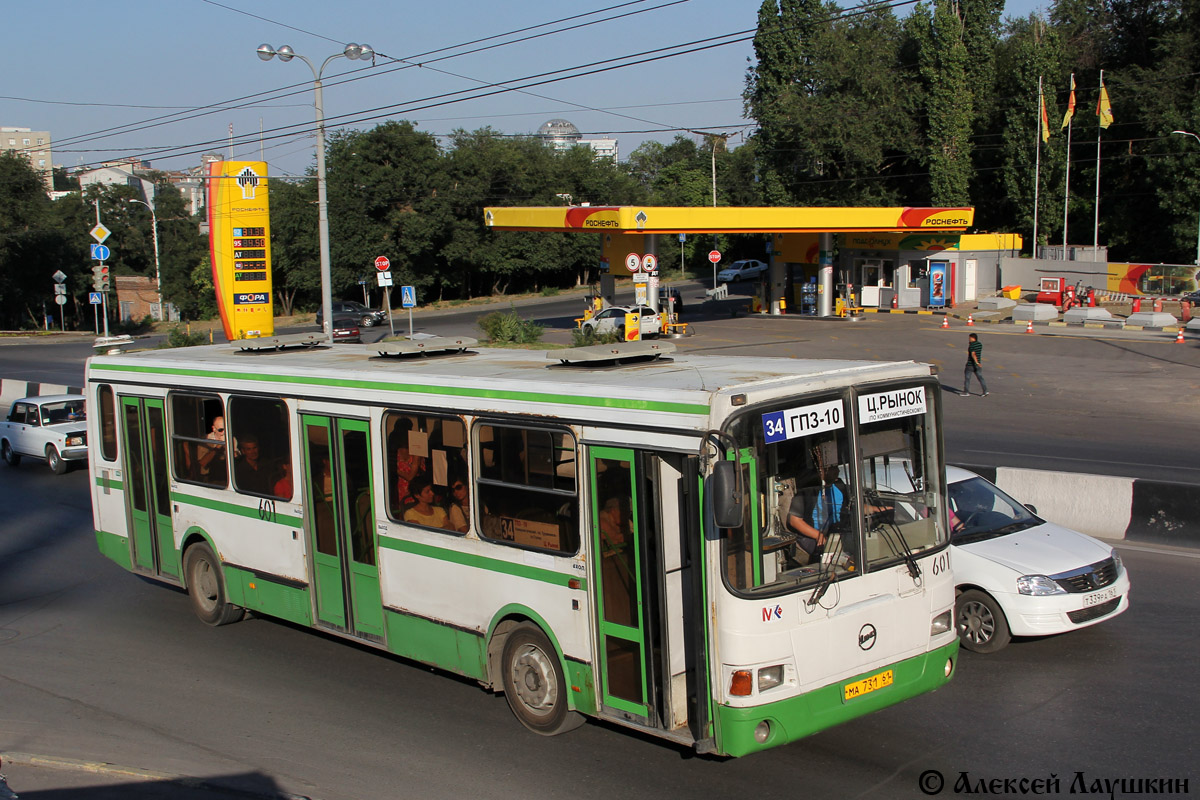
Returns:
(666,219)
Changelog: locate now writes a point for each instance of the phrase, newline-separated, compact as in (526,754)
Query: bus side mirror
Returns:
(726,495)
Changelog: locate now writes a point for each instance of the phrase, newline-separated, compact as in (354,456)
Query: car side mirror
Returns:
(1032,508)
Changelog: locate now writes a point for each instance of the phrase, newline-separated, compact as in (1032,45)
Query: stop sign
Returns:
(714,256)
(382,263)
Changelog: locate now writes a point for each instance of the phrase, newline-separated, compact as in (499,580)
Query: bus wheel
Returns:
(55,460)
(982,627)
(534,685)
(206,587)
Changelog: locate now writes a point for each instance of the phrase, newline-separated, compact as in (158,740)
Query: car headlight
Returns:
(76,441)
(1038,586)
(1116,557)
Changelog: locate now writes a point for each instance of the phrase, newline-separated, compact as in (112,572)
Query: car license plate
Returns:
(1097,598)
(868,685)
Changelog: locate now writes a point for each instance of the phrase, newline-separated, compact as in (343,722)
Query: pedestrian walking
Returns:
(974,364)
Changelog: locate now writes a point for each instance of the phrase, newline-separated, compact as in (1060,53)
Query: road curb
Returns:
(1106,506)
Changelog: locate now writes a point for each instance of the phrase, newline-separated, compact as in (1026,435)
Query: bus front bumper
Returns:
(740,731)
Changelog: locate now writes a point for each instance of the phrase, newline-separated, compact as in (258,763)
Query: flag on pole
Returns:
(1045,122)
(1070,104)
(1104,108)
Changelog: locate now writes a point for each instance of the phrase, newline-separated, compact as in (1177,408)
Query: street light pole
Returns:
(353,52)
(1197,138)
(157,275)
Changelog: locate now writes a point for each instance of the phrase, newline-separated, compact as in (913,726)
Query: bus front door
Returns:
(623,598)
(341,525)
(148,490)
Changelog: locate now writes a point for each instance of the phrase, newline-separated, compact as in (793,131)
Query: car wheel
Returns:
(534,684)
(367,321)
(8,454)
(982,627)
(206,587)
(57,465)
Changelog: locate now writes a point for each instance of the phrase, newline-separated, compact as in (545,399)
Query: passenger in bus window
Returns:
(249,471)
(408,466)
(460,507)
(211,458)
(423,511)
(283,486)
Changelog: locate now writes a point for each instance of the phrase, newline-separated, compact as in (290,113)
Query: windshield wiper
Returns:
(827,574)
(891,533)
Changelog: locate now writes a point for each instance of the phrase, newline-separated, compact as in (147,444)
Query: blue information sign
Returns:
(408,296)
(100,252)
(94,298)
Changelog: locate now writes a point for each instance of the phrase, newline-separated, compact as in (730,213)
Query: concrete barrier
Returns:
(11,390)
(1124,509)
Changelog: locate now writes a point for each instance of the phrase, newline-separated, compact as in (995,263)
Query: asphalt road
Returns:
(1108,403)
(99,665)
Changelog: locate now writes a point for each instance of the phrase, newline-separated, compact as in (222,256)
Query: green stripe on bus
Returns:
(109,483)
(420,388)
(115,547)
(252,512)
(481,562)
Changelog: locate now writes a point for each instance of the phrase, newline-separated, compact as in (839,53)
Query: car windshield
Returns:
(979,511)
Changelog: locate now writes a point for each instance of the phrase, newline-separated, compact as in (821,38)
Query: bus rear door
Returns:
(144,429)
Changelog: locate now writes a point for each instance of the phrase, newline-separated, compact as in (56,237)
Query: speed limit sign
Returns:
(633,262)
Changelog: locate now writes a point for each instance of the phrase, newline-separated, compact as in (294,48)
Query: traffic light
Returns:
(100,280)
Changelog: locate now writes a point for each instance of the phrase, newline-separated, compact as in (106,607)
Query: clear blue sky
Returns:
(127,77)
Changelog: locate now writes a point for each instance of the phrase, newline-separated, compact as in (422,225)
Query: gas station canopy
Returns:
(668,219)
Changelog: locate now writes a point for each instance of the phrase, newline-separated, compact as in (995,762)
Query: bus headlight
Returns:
(940,624)
(762,732)
(769,677)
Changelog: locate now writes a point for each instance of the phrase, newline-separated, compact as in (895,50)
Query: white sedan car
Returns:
(612,319)
(52,427)
(744,270)
(1018,575)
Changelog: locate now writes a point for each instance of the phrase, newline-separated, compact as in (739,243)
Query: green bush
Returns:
(178,336)
(509,328)
(582,337)
(550,291)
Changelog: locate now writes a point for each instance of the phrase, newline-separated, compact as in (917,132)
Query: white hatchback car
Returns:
(51,427)
(1018,575)
(742,270)
(612,319)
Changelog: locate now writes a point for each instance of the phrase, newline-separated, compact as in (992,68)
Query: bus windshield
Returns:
(839,485)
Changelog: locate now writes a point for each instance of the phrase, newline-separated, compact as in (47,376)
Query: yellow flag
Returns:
(1045,123)
(1104,108)
(1070,104)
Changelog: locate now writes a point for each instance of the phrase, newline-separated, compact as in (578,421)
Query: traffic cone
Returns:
(1029,327)
(945,321)
(970,321)
(1179,337)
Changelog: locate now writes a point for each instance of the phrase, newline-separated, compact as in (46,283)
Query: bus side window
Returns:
(428,480)
(262,446)
(198,439)
(526,490)
(108,423)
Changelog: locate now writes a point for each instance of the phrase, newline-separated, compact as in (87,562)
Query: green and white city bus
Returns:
(614,531)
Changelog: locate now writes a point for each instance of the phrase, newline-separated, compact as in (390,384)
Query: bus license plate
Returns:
(868,685)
